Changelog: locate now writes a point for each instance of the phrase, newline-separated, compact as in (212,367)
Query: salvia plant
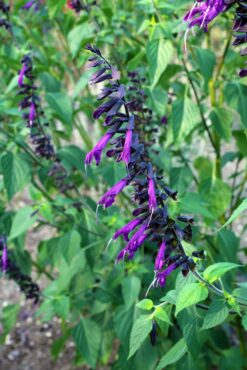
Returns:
(122,219)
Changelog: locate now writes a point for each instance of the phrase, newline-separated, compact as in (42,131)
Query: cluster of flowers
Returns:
(33,113)
(4,9)
(34,116)
(204,11)
(9,267)
(240,26)
(151,218)
(35,4)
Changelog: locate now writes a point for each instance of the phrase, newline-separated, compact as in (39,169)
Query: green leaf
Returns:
(69,244)
(240,209)
(205,62)
(241,141)
(140,330)
(161,315)
(54,7)
(217,193)
(189,295)
(159,55)
(215,271)
(61,105)
(61,306)
(222,119)
(216,314)
(8,319)
(236,94)
(87,337)
(185,116)
(22,221)
(173,355)
(78,37)
(145,304)
(16,173)
(131,287)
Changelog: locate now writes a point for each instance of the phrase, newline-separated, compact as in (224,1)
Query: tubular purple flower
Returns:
(125,230)
(96,152)
(109,197)
(152,201)
(21,75)
(28,5)
(32,114)
(161,276)
(204,12)
(160,258)
(126,154)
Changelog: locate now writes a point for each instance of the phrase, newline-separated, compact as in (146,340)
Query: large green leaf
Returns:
(159,55)
(236,94)
(216,314)
(173,355)
(87,337)
(185,116)
(206,61)
(141,329)
(16,173)
(216,270)
(189,295)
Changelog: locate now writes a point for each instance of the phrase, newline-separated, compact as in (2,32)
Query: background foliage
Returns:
(199,92)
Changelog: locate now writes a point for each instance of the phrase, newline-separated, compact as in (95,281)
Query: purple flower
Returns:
(32,114)
(126,154)
(135,242)
(125,230)
(161,276)
(152,202)
(22,74)
(96,152)
(160,258)
(203,12)
(109,197)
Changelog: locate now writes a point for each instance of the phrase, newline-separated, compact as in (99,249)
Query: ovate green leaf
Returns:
(140,330)
(173,355)
(159,55)
(216,314)
(215,271)
(189,295)
(87,337)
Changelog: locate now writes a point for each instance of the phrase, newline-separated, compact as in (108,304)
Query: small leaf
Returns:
(189,295)
(161,315)
(173,355)
(216,314)
(215,271)
(141,329)
(87,337)
(145,304)
(240,209)
(22,221)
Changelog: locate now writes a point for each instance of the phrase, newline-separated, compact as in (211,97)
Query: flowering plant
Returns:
(122,219)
